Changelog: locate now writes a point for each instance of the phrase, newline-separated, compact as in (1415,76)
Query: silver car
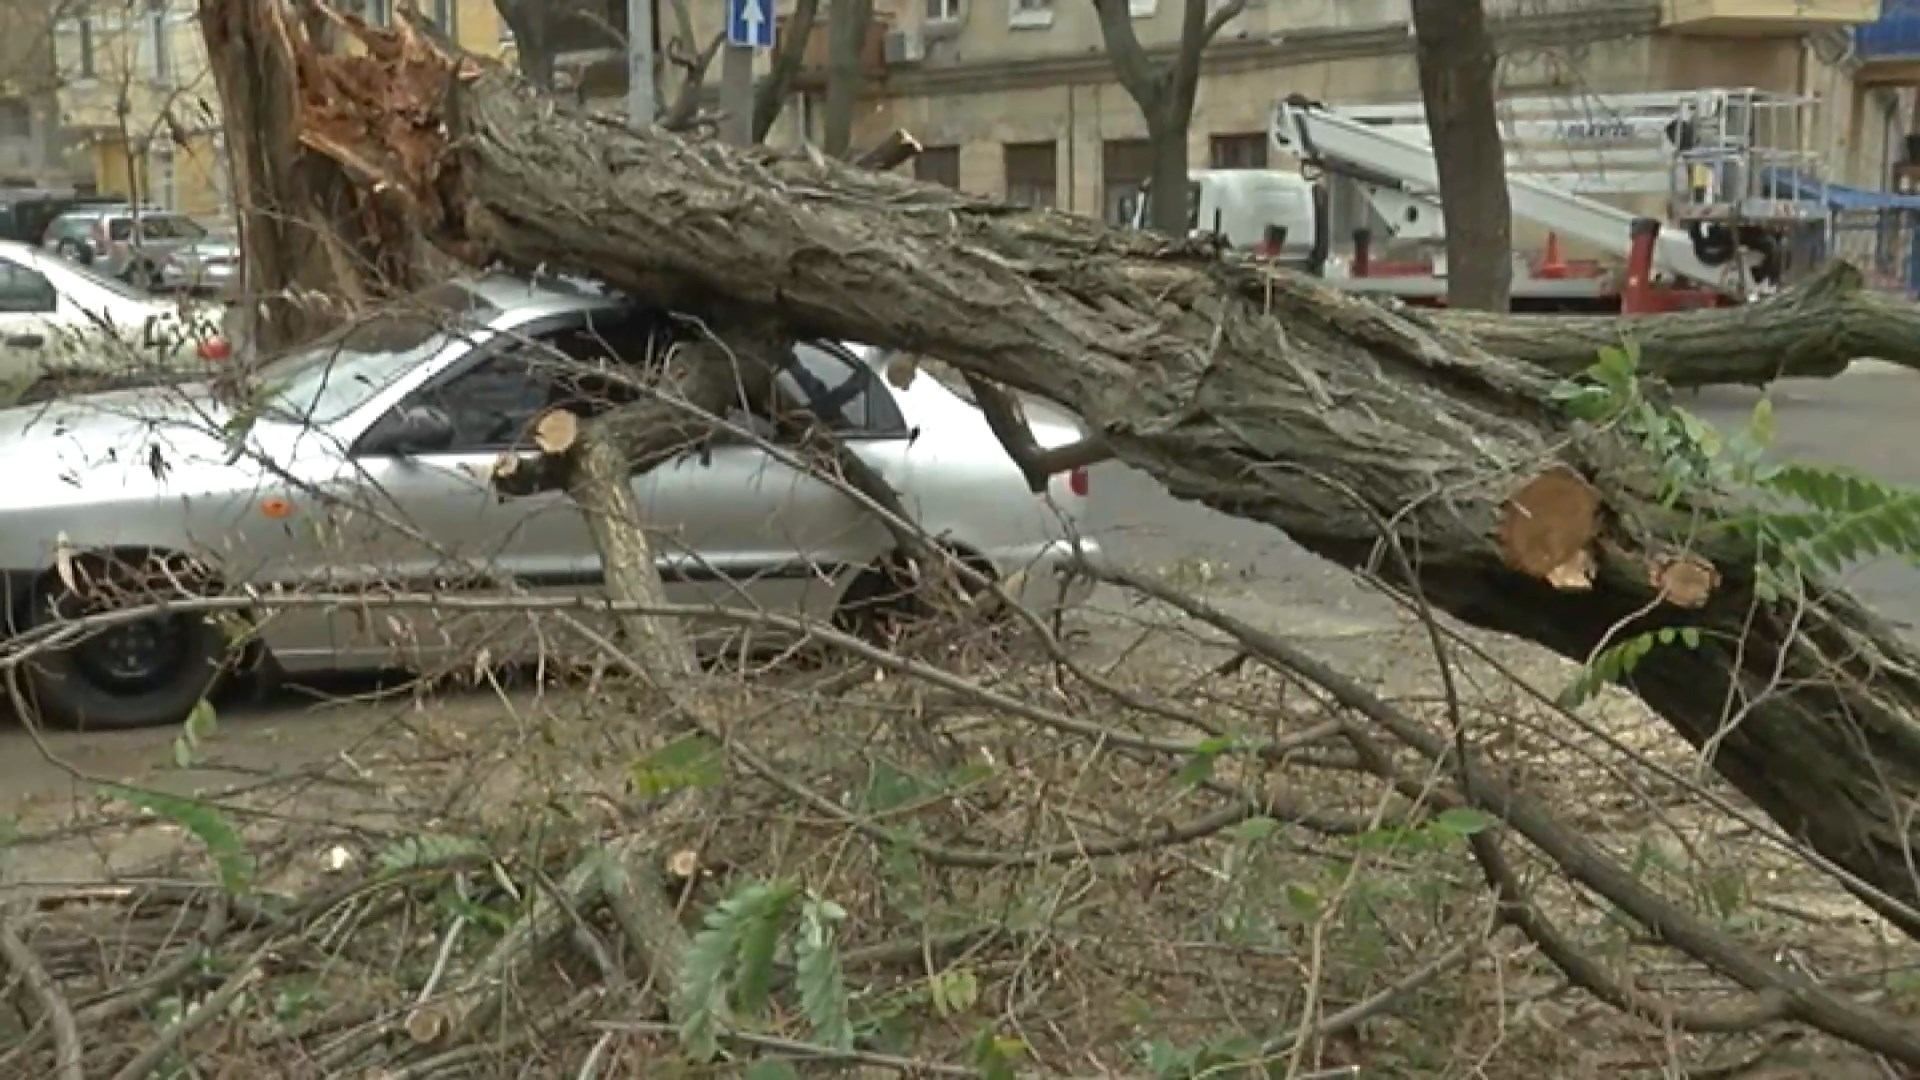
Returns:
(367,466)
(209,265)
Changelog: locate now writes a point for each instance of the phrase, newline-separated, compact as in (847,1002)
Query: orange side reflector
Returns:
(276,508)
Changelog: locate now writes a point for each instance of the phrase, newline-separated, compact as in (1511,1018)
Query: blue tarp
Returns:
(1792,184)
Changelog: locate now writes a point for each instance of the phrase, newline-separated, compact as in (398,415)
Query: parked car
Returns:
(25,212)
(62,324)
(402,417)
(120,242)
(207,266)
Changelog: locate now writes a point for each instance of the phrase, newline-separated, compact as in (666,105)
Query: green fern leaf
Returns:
(754,982)
(823,990)
(700,1000)
(426,851)
(207,824)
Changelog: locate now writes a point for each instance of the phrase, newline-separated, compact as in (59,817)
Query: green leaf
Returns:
(425,851)
(182,753)
(691,761)
(995,1054)
(1690,636)
(954,991)
(754,983)
(205,822)
(889,788)
(1760,427)
(1463,821)
(816,961)
(1253,830)
(201,721)
(1199,766)
(700,999)
(1303,901)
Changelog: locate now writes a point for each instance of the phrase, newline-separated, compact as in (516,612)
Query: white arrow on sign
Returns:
(752,18)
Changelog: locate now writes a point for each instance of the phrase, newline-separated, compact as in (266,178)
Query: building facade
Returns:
(33,141)
(1017,98)
(134,84)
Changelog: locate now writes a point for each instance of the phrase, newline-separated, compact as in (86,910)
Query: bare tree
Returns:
(1457,74)
(1165,92)
(847,24)
(770,95)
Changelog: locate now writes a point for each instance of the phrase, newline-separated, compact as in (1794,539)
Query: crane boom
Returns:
(1344,145)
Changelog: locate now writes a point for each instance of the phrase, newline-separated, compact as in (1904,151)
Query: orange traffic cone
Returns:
(1551,264)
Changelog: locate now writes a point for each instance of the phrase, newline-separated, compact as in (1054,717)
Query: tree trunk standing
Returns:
(1168,204)
(1165,95)
(770,96)
(847,36)
(1457,82)
(531,22)
(1268,396)
(299,232)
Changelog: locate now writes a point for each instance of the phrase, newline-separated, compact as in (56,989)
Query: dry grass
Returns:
(1103,965)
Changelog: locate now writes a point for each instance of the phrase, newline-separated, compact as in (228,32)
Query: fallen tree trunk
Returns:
(1268,396)
(1814,331)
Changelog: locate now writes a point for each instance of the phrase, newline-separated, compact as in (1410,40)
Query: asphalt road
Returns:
(1868,419)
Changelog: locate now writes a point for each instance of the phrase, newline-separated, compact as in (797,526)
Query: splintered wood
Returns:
(1548,528)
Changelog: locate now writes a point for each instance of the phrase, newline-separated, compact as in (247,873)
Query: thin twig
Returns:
(813,1051)
(66,1035)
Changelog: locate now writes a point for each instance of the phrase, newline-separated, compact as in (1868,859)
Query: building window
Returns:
(1247,151)
(379,12)
(1125,165)
(1030,173)
(1142,9)
(16,119)
(86,47)
(162,50)
(943,11)
(445,18)
(938,165)
(1030,13)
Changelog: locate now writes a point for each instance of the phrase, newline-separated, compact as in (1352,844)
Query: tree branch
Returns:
(1197,31)
(66,1035)
(1003,415)
(899,148)
(1130,62)
(1805,1000)
(771,95)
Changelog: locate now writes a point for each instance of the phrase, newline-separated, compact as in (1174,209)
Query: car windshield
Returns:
(343,371)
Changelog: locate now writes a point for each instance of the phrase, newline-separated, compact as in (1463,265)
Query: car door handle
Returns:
(25,341)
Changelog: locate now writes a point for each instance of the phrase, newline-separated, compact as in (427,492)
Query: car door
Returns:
(738,526)
(440,525)
(27,304)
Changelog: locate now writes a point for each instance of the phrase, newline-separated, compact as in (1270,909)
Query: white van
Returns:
(1242,205)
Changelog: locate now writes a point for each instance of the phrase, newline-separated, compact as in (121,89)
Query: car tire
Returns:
(72,688)
(143,276)
(71,251)
(884,599)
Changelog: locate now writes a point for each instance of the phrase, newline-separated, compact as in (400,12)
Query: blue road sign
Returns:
(750,23)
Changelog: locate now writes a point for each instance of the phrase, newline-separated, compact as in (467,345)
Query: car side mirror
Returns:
(411,429)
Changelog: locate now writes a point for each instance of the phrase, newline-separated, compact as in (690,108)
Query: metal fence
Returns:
(1883,243)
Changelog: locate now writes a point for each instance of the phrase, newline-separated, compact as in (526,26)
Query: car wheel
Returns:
(144,673)
(71,251)
(143,276)
(885,599)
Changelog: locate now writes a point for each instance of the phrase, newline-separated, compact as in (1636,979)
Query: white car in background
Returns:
(63,324)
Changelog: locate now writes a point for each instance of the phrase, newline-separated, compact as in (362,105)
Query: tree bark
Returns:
(1265,395)
(301,234)
(1457,74)
(530,21)
(1165,95)
(770,96)
(847,35)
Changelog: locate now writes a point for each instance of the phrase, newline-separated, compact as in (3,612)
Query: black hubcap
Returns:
(136,656)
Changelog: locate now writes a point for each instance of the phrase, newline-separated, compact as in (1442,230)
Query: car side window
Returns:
(24,291)
(842,391)
(491,403)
